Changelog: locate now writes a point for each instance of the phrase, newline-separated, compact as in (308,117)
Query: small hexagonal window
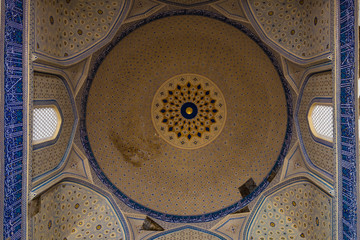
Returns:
(46,123)
(321,121)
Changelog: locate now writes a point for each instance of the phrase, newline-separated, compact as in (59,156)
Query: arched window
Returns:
(46,123)
(321,121)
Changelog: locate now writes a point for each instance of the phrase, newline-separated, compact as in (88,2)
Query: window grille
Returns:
(46,121)
(321,121)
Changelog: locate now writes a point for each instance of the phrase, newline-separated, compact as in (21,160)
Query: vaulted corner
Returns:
(68,31)
(179,119)
(300,30)
(71,210)
(294,209)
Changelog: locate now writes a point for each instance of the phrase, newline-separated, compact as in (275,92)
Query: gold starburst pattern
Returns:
(189,111)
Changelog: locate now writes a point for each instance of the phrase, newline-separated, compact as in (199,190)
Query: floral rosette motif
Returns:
(189,111)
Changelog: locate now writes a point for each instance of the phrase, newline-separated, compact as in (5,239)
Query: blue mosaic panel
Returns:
(13,118)
(347,157)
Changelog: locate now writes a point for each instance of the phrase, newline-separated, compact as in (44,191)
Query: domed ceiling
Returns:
(182,112)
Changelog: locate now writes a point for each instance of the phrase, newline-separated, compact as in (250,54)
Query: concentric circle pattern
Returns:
(189,111)
(135,155)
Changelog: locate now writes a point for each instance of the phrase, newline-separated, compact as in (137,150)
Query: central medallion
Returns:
(188,111)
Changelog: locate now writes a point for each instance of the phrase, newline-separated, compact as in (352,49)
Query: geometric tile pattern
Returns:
(300,211)
(72,211)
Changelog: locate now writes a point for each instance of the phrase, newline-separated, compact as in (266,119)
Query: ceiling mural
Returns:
(65,31)
(298,29)
(161,137)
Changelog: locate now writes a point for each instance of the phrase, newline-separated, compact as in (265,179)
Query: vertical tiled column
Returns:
(13,118)
(347,138)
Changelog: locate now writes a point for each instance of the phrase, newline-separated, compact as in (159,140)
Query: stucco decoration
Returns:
(317,86)
(293,73)
(77,74)
(187,233)
(77,165)
(143,8)
(232,226)
(294,163)
(298,29)
(67,31)
(155,177)
(298,211)
(73,211)
(231,9)
(188,3)
(51,88)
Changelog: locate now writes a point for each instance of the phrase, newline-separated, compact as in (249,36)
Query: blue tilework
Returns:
(193,218)
(13,118)
(347,157)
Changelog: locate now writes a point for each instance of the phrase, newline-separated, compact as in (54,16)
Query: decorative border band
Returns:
(13,118)
(347,139)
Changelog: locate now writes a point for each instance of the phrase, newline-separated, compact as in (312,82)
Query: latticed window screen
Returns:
(45,123)
(322,120)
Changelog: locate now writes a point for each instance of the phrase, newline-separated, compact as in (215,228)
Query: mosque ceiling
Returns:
(175,116)
(185,113)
